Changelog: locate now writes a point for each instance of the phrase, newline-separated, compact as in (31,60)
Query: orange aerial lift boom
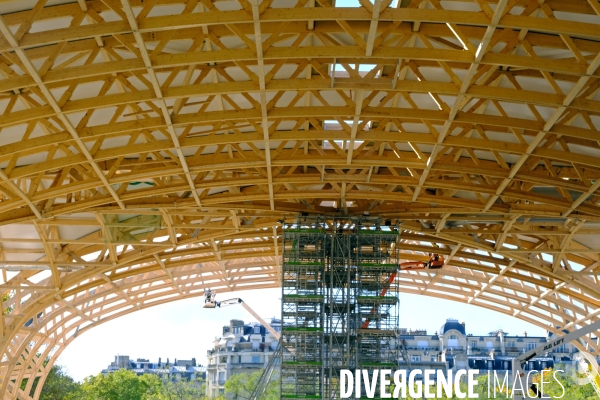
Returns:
(436,261)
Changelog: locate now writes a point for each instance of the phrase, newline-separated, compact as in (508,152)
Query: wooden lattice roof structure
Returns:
(150,148)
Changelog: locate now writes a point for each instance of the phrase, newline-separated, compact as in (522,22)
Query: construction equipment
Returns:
(267,374)
(210,302)
(517,362)
(435,261)
(209,298)
(586,363)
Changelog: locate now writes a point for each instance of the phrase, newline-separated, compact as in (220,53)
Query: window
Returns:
(473,344)
(531,345)
(221,377)
(257,329)
(255,359)
(255,345)
(433,359)
(512,343)
(489,345)
(415,358)
(561,349)
(452,341)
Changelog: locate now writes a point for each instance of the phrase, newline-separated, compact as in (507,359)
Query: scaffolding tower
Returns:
(339,302)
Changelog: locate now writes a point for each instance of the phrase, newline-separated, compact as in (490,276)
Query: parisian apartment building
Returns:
(173,370)
(452,348)
(242,348)
(247,347)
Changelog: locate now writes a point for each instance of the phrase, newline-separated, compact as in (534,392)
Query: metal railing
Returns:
(247,365)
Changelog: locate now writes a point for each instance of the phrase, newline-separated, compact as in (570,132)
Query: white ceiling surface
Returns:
(24,236)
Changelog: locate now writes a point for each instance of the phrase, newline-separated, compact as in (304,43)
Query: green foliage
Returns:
(572,391)
(179,390)
(58,384)
(126,385)
(240,386)
(5,298)
(119,385)
(482,387)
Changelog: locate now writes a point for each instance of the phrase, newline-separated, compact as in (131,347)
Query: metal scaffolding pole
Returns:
(340,301)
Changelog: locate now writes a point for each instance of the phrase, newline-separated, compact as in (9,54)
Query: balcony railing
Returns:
(247,365)
(422,348)
(454,348)
(249,349)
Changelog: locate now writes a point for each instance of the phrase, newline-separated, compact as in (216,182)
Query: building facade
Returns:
(242,348)
(247,347)
(457,349)
(178,369)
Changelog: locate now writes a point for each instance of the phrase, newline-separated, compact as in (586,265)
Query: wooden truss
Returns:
(150,149)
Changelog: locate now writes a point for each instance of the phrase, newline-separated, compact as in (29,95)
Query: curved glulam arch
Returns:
(151,149)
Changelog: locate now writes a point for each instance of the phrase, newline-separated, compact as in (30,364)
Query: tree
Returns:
(182,389)
(58,385)
(154,387)
(118,385)
(572,390)
(242,385)
(127,385)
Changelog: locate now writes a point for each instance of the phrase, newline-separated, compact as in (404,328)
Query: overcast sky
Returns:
(183,329)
